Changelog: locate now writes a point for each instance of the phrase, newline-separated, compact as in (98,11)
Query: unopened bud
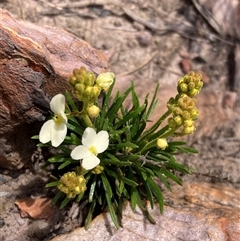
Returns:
(188,130)
(162,143)
(104,80)
(98,170)
(93,111)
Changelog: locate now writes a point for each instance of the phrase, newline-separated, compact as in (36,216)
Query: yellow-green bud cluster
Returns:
(190,84)
(98,170)
(183,106)
(71,184)
(84,85)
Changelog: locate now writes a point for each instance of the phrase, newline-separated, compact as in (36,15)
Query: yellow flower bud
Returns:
(93,111)
(96,91)
(178,120)
(90,79)
(72,80)
(80,88)
(88,92)
(188,130)
(162,143)
(186,115)
(182,88)
(104,80)
(171,122)
(191,86)
(193,92)
(98,170)
(188,123)
(194,114)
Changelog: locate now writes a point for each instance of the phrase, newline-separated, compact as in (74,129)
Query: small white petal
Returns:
(45,132)
(89,163)
(58,134)
(89,137)
(80,152)
(57,104)
(64,117)
(102,141)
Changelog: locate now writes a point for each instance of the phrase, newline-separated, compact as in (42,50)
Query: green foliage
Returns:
(132,165)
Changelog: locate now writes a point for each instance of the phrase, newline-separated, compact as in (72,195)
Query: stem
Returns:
(87,120)
(85,116)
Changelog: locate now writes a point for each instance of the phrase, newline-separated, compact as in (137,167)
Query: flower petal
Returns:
(80,152)
(90,162)
(102,141)
(58,134)
(45,132)
(64,117)
(57,104)
(89,137)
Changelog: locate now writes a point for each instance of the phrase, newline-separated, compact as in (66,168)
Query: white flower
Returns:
(92,144)
(55,130)
(104,80)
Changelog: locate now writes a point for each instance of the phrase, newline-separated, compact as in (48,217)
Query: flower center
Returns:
(93,150)
(58,119)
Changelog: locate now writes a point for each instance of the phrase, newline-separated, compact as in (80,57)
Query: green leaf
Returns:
(135,99)
(126,144)
(157,193)
(163,179)
(177,167)
(92,189)
(75,129)
(153,102)
(133,201)
(121,178)
(58,158)
(128,116)
(75,139)
(64,202)
(89,216)
(114,108)
(188,150)
(176,143)
(149,193)
(171,176)
(111,210)
(52,184)
(117,163)
(36,137)
(71,102)
(106,185)
(80,196)
(57,196)
(66,163)
(106,99)
(157,157)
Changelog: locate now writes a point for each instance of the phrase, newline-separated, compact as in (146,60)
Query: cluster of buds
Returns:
(190,84)
(183,106)
(84,85)
(87,88)
(71,184)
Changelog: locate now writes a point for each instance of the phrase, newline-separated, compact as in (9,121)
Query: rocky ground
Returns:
(147,42)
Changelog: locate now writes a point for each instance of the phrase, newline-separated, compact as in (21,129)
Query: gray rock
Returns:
(35,63)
